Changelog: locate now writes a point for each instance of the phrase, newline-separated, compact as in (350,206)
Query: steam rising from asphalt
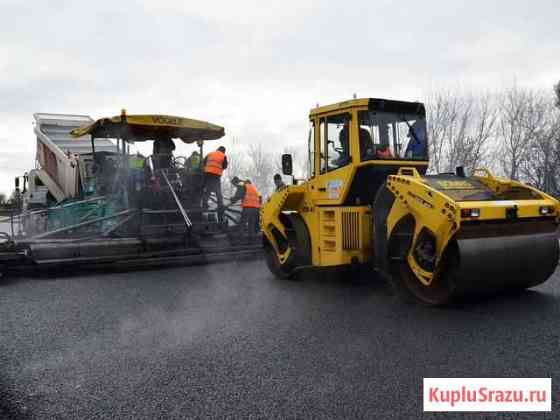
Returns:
(144,313)
(221,305)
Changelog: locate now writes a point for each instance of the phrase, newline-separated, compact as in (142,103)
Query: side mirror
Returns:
(460,171)
(287,168)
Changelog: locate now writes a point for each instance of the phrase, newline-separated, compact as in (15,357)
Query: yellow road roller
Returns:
(368,201)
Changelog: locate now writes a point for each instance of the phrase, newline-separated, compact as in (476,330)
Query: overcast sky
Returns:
(255,67)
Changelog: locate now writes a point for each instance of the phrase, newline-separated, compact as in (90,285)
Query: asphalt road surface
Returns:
(229,340)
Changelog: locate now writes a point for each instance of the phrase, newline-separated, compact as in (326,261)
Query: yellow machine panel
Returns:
(344,235)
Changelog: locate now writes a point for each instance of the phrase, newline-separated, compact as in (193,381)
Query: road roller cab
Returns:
(368,200)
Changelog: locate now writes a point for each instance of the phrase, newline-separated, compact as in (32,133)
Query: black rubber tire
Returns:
(299,241)
(281,271)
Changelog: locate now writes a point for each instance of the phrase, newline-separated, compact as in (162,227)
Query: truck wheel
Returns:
(300,243)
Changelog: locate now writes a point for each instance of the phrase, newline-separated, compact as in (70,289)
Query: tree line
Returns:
(257,163)
(514,132)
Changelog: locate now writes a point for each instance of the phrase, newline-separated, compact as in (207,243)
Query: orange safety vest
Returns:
(251,199)
(215,163)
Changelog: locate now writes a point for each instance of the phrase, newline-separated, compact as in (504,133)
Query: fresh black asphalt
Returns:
(229,340)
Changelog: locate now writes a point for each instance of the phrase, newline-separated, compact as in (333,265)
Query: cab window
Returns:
(386,135)
(335,142)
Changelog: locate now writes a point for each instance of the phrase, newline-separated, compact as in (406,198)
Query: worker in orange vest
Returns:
(250,204)
(214,164)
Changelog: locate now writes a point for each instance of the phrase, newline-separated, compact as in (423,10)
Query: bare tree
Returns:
(237,166)
(256,163)
(482,130)
(441,115)
(260,168)
(542,167)
(460,129)
(516,131)
(522,121)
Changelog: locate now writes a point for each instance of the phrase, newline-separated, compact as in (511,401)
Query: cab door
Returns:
(333,158)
